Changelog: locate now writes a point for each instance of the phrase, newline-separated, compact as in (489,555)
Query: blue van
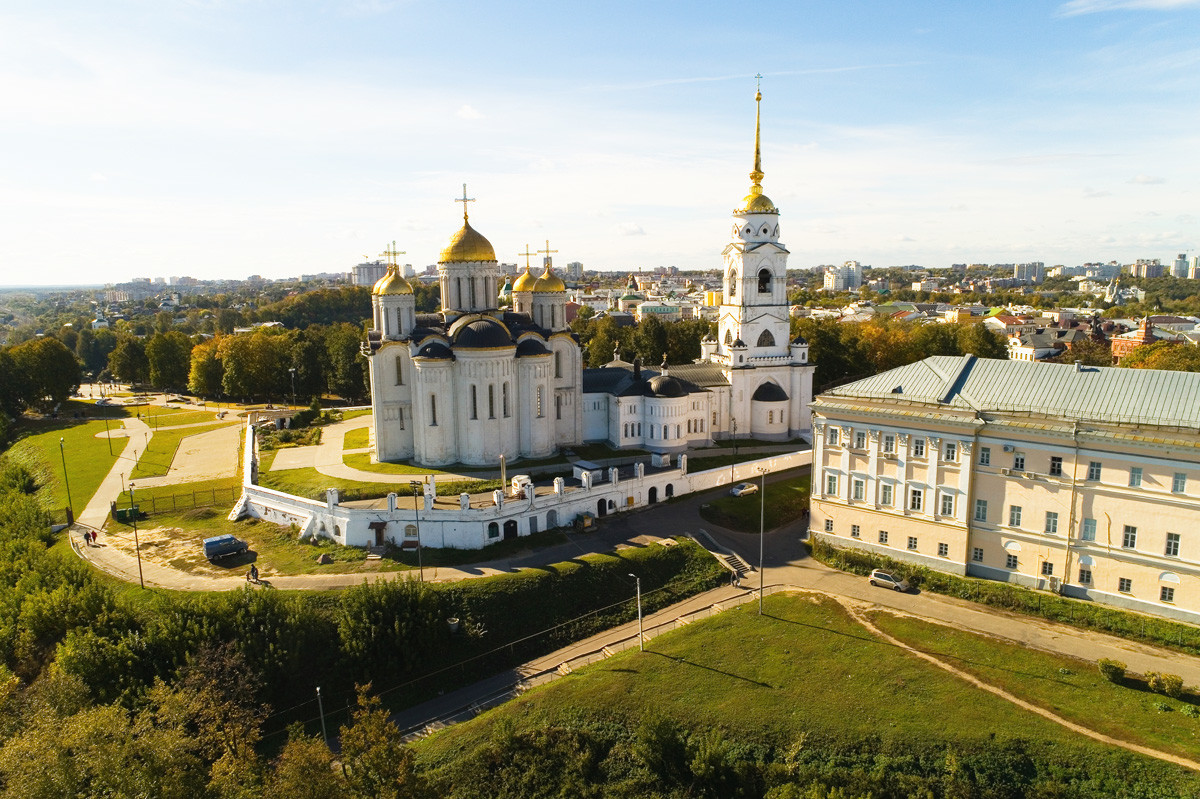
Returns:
(220,546)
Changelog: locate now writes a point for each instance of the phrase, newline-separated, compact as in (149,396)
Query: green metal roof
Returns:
(1086,393)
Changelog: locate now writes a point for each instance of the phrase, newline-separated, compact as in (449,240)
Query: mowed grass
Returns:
(804,669)
(156,459)
(357,438)
(308,482)
(783,502)
(362,461)
(1067,687)
(87,458)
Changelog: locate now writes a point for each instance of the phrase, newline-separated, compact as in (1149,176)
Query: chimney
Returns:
(637,367)
(1079,366)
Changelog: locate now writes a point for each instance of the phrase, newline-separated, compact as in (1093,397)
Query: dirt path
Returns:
(855,610)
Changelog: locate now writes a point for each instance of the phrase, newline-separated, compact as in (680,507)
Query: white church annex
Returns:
(476,381)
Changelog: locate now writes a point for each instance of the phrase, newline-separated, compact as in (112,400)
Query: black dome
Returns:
(665,386)
(801,341)
(769,392)
(531,346)
(738,343)
(479,332)
(435,349)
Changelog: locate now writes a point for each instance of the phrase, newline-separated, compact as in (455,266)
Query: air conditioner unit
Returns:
(1006,471)
(1009,448)
(1028,475)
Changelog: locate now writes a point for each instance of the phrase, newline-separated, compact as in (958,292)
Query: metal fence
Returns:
(203,498)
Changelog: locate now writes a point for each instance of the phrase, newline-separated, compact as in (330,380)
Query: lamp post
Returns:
(762,505)
(641,638)
(415,485)
(107,436)
(293,371)
(62,454)
(137,546)
(733,465)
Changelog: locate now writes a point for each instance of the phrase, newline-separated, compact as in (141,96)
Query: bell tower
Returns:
(754,308)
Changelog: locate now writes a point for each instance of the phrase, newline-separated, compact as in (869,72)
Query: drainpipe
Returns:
(1071,517)
(969,510)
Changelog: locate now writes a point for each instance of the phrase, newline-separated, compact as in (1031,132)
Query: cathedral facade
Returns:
(476,381)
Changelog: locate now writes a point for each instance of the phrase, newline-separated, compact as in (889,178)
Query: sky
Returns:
(224,138)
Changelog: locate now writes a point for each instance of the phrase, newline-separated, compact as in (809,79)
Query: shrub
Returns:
(1162,707)
(1111,670)
(1191,711)
(1166,684)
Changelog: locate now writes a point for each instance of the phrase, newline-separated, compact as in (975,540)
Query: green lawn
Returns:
(87,458)
(357,438)
(308,482)
(1070,688)
(355,414)
(783,502)
(362,460)
(700,464)
(156,459)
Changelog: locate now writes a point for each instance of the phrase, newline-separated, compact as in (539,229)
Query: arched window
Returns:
(474,404)
(558,363)
(766,339)
(728,338)
(493,530)
(410,531)
(732,284)
(764,281)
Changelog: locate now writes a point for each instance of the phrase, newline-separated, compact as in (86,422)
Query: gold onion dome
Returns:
(468,244)
(391,284)
(549,282)
(525,282)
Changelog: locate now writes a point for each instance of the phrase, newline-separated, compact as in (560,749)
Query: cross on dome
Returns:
(464,200)
(527,255)
(547,252)
(391,252)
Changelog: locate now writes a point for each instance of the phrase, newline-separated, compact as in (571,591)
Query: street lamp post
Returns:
(62,453)
(107,436)
(415,485)
(641,637)
(733,465)
(137,546)
(293,371)
(762,505)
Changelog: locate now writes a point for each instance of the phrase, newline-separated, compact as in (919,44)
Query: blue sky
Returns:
(218,138)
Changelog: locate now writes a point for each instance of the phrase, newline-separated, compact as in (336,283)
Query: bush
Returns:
(1191,711)
(1111,670)
(1166,684)
(1163,707)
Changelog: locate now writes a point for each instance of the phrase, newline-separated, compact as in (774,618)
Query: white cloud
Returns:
(631,229)
(1092,194)
(1147,180)
(1076,7)
(467,112)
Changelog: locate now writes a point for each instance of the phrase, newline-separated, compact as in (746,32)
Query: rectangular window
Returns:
(1014,515)
(491,401)
(916,498)
(831,484)
(540,412)
(1085,576)
(943,550)
(1051,522)
(474,404)
(854,531)
(1047,568)
(947,504)
(918,448)
(432,411)
(829,525)
(504,399)
(1019,463)
(1125,585)
(1129,537)
(1056,466)
(399,370)
(557,364)
(1093,470)
(400,416)
(883,536)
(1172,545)
(1135,476)
(1088,533)
(859,489)
(912,542)
(558,410)
(985,456)
(860,439)
(1166,594)
(951,452)
(1179,483)
(831,438)
(889,443)
(977,554)
(981,510)
(1010,561)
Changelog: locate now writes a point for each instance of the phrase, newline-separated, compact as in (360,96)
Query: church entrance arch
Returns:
(652,496)
(602,508)
(510,529)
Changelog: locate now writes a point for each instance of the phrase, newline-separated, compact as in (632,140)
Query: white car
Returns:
(882,578)
(743,488)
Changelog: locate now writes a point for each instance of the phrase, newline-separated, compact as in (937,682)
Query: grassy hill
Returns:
(804,702)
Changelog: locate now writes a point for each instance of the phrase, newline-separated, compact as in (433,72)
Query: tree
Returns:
(1170,355)
(650,340)
(981,342)
(206,373)
(375,761)
(585,312)
(47,370)
(128,360)
(304,770)
(347,371)
(169,357)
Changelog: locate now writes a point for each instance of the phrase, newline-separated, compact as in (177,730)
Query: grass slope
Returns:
(783,502)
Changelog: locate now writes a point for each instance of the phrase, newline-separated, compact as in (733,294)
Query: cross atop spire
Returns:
(464,200)
(547,252)
(391,252)
(527,255)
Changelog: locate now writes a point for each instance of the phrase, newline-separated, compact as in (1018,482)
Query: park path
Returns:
(137,435)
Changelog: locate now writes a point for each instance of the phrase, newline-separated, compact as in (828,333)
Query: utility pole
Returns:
(137,547)
(762,505)
(641,635)
(415,485)
(62,454)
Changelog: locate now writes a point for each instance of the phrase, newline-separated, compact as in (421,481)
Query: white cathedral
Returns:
(477,381)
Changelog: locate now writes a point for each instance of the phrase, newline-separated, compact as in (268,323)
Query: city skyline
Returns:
(223,140)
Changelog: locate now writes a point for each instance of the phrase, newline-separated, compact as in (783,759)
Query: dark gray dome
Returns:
(436,350)
(769,392)
(479,333)
(531,346)
(800,340)
(665,386)
(737,342)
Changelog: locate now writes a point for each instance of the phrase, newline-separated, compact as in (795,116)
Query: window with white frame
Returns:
(831,484)
(889,443)
(858,489)
(943,550)
(916,498)
(885,495)
(1125,585)
(1014,515)
(918,448)
(1172,550)
(981,510)
(883,536)
(985,456)
(1088,531)
(1093,473)
(947,504)
(1135,476)
(1129,537)
(1085,575)
(1179,483)
(854,531)
(829,525)
(1051,522)
(1047,568)
(977,554)
(1010,561)
(1019,462)
(912,542)
(1166,594)
(860,439)
(950,451)
(832,435)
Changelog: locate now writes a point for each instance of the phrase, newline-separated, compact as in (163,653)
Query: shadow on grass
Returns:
(686,662)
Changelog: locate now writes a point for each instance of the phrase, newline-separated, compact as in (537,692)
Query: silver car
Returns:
(744,488)
(887,580)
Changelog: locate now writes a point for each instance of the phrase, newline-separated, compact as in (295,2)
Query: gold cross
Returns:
(757,87)
(391,252)
(547,251)
(527,255)
(464,200)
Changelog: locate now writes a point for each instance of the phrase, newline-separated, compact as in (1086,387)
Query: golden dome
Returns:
(525,282)
(758,204)
(549,282)
(468,244)
(391,284)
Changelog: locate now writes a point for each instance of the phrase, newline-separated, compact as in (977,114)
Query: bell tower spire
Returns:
(757,175)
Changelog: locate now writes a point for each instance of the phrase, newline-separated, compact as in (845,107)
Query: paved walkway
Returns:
(203,456)
(138,435)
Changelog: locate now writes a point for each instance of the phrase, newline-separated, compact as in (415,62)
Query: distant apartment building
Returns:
(573,272)
(1033,273)
(368,273)
(926,284)
(847,277)
(1194,268)
(1146,267)
(1180,268)
(1079,480)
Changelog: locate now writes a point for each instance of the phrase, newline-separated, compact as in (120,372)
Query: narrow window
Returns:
(860,440)
(474,404)
(1051,522)
(399,370)
(491,401)
(985,456)
(1019,463)
(885,495)
(832,438)
(919,448)
(540,412)
(1056,466)
(1014,515)
(829,525)
(952,452)
(558,406)
(947,504)
(1094,470)
(889,443)
(504,398)
(432,411)
(916,497)
(1129,537)
(1179,483)
(1135,476)
(859,489)
(764,281)
(557,364)
(831,484)
(733,284)
(400,414)
(981,510)
(1172,545)
(1088,533)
